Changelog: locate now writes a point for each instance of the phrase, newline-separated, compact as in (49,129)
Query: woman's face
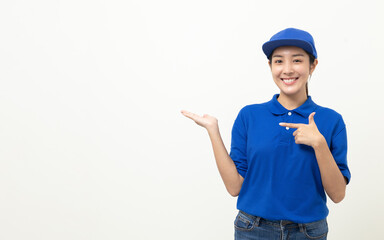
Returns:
(290,67)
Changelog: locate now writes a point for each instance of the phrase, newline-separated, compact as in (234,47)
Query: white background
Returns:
(92,141)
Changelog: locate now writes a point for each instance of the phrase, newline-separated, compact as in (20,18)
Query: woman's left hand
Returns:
(307,134)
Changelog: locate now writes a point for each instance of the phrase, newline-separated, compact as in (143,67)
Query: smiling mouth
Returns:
(289,80)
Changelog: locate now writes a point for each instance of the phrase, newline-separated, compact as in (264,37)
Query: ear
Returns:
(313,66)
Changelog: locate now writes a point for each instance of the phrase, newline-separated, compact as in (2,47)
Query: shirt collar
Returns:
(304,110)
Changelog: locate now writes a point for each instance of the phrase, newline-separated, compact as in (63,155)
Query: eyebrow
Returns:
(295,55)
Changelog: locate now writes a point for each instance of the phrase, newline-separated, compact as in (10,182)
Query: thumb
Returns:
(310,118)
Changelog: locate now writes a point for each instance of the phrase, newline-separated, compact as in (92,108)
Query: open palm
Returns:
(205,121)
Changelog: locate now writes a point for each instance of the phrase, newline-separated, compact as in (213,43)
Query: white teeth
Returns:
(289,80)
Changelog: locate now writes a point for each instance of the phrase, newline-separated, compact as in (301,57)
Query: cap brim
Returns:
(270,46)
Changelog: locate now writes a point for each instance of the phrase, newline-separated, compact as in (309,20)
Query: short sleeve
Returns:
(339,151)
(239,144)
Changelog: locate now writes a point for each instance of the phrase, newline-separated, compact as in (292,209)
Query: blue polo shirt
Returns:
(281,178)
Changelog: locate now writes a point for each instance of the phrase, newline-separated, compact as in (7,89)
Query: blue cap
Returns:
(290,37)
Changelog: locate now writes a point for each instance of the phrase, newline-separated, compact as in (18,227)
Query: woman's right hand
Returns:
(227,168)
(206,121)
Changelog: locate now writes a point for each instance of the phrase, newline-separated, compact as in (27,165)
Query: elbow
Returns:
(233,193)
(235,187)
(338,198)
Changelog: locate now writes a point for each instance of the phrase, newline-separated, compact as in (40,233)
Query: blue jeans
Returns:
(248,227)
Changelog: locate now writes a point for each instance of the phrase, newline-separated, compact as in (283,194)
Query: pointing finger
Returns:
(290,125)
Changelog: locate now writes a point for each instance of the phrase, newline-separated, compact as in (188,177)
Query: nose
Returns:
(288,68)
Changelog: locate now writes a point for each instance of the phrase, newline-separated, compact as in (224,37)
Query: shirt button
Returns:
(289,113)
(287,128)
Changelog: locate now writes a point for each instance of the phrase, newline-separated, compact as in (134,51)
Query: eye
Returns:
(297,60)
(278,61)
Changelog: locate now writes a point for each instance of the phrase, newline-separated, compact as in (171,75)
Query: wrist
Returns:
(320,142)
(213,129)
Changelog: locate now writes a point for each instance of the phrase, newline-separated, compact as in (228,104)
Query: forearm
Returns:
(331,176)
(227,169)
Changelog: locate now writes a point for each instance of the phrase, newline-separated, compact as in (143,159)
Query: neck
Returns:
(291,102)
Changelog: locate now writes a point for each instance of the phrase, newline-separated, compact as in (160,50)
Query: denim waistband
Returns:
(271,222)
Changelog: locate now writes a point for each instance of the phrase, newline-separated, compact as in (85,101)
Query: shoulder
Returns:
(329,119)
(252,113)
(254,108)
(328,113)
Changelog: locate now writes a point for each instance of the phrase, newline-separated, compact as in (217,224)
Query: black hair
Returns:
(311,61)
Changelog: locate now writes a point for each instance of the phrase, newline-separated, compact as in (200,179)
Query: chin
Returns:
(292,92)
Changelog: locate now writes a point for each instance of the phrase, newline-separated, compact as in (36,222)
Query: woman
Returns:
(284,159)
